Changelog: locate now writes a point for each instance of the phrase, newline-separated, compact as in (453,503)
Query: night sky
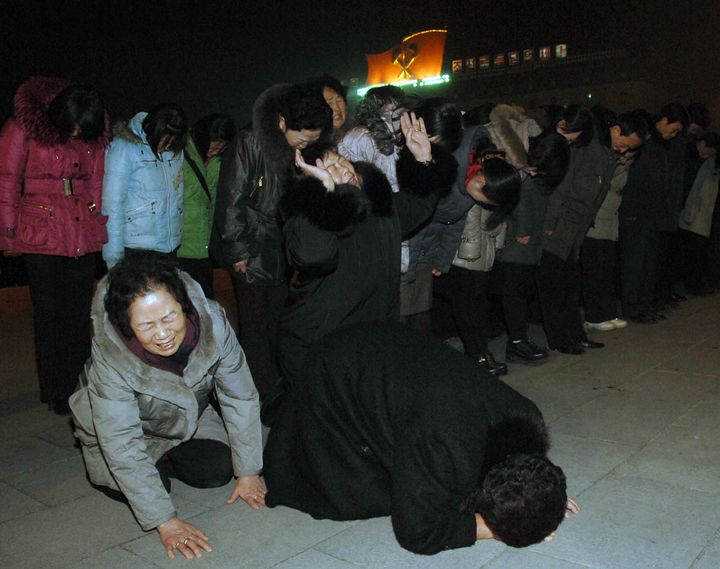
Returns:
(216,56)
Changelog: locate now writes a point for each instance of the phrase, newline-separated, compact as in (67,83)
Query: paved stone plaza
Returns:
(635,426)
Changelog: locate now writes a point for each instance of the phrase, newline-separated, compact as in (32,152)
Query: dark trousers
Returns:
(517,284)
(667,272)
(258,310)
(467,292)
(694,248)
(599,263)
(639,249)
(559,291)
(61,291)
(201,270)
(200,463)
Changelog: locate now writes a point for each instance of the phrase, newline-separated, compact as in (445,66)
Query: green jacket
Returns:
(198,209)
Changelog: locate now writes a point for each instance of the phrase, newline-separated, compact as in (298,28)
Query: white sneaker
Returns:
(619,323)
(601,326)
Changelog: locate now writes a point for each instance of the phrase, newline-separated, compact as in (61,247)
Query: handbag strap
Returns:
(199,175)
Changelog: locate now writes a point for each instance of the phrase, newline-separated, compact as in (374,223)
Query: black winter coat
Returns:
(526,219)
(255,171)
(388,421)
(345,247)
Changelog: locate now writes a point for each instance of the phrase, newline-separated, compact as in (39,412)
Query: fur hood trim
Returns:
(518,434)
(510,130)
(265,117)
(32,100)
(340,210)
(131,131)
(147,379)
(416,178)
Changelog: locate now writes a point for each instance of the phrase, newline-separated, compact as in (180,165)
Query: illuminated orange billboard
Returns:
(419,56)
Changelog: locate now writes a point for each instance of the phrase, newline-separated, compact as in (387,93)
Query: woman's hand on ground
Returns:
(571,508)
(180,535)
(250,489)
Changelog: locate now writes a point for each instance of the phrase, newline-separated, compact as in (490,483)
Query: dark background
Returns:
(217,55)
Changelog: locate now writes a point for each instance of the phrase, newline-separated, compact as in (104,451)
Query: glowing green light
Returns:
(438,80)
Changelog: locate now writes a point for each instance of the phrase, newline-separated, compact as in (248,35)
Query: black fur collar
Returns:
(266,112)
(338,211)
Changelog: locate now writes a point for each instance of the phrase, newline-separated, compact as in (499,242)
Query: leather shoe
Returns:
(677,297)
(525,352)
(572,350)
(487,361)
(588,344)
(59,406)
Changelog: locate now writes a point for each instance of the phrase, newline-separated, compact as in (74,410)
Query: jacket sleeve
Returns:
(421,186)
(309,248)
(240,405)
(428,471)
(116,418)
(358,146)
(446,244)
(115,184)
(13,157)
(234,236)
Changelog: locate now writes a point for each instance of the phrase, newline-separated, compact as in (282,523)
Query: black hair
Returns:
(442,118)
(502,187)
(549,153)
(578,119)
(674,112)
(634,122)
(166,120)
(699,115)
(368,114)
(319,83)
(711,139)
(522,499)
(478,115)
(209,128)
(137,274)
(78,105)
(304,108)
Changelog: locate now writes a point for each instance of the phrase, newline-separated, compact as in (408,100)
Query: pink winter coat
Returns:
(36,215)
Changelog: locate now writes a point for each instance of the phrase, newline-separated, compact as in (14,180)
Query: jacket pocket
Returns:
(142,221)
(34,225)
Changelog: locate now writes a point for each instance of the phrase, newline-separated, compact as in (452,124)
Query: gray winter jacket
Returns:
(526,220)
(478,245)
(127,414)
(607,224)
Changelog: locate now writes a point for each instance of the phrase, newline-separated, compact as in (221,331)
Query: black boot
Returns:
(525,352)
(487,361)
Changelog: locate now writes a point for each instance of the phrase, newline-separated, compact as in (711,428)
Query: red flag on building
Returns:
(419,56)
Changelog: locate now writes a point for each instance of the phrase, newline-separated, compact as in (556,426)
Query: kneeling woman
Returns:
(165,365)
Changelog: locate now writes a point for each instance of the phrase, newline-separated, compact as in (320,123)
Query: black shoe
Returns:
(487,361)
(525,352)
(59,406)
(588,344)
(572,350)
(642,318)
(657,316)
(678,297)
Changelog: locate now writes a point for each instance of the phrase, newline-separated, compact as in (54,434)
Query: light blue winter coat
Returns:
(142,196)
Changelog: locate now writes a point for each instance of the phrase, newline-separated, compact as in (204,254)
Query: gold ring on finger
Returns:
(186,540)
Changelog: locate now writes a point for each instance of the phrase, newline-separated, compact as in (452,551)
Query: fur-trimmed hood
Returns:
(131,130)
(32,100)
(346,206)
(339,210)
(266,112)
(511,129)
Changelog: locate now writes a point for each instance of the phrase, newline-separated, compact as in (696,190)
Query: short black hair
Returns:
(166,120)
(319,83)
(522,499)
(578,119)
(78,105)
(674,112)
(549,153)
(634,122)
(212,127)
(502,187)
(699,115)
(710,139)
(304,108)
(137,274)
(442,118)
(478,115)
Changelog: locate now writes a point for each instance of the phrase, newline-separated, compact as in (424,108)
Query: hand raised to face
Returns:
(416,137)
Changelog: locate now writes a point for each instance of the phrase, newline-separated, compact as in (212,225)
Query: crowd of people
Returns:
(355,246)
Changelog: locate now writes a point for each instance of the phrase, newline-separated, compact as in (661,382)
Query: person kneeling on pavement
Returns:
(388,421)
(166,394)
